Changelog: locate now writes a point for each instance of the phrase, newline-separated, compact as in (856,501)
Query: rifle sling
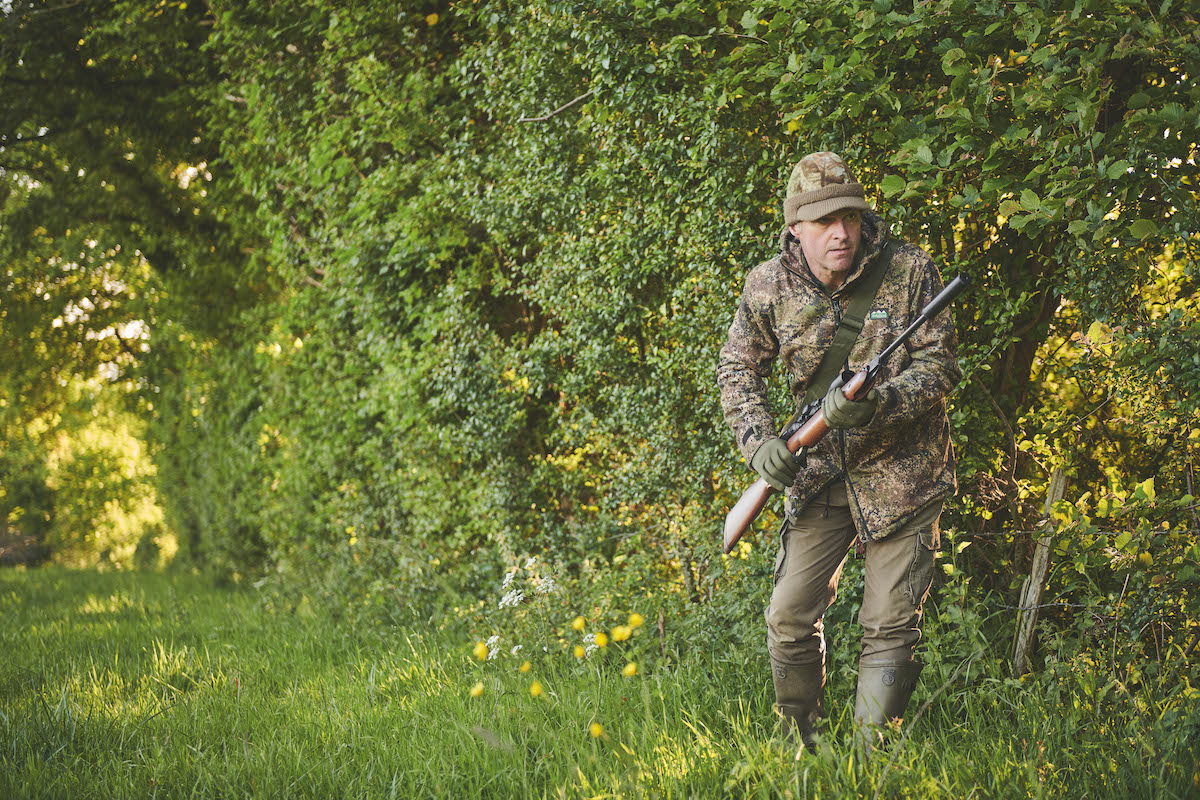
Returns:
(847,332)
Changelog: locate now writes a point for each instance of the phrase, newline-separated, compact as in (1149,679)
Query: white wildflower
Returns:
(508,578)
(531,562)
(546,586)
(491,646)
(512,599)
(516,649)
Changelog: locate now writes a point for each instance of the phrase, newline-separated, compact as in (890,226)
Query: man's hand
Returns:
(840,412)
(776,463)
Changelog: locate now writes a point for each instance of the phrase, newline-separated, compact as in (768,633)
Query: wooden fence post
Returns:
(1035,584)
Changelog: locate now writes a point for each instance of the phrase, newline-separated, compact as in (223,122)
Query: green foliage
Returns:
(428,290)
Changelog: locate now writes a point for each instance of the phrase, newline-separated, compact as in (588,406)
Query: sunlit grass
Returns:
(124,685)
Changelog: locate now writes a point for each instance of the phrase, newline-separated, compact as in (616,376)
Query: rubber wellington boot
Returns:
(883,694)
(798,693)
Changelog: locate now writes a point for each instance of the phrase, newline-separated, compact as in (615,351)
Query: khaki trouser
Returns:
(813,548)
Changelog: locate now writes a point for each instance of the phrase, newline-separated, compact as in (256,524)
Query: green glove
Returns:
(840,412)
(776,463)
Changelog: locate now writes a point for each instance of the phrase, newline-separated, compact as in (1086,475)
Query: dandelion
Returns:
(579,651)
(630,670)
(578,623)
(635,620)
(596,730)
(535,689)
(477,689)
(431,20)
(621,633)
(602,639)
(525,666)
(481,651)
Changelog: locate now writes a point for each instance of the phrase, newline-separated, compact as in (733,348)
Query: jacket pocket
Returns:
(920,571)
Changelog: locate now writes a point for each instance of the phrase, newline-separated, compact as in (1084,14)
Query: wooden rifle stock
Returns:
(811,431)
(753,499)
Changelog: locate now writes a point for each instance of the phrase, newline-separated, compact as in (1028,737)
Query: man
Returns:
(880,476)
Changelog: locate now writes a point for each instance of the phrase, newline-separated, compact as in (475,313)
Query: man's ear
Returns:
(795,229)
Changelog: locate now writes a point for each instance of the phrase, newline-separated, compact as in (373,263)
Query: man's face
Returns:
(830,243)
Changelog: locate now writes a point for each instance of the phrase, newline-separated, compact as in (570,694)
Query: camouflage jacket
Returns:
(903,459)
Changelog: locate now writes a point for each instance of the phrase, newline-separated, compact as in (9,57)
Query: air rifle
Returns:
(810,426)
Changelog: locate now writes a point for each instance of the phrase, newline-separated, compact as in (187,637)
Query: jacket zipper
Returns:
(841,435)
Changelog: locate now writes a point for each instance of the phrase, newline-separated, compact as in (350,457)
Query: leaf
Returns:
(1147,488)
(1030,201)
(892,185)
(1009,207)
(950,58)
(1117,170)
(994,185)
(1123,540)
(750,20)
(1143,228)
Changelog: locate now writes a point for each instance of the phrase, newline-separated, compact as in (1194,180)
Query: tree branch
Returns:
(583,96)
(63,7)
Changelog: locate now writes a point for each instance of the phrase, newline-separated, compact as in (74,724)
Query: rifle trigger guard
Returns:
(802,456)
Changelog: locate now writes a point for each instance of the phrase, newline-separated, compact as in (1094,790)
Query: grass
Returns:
(151,685)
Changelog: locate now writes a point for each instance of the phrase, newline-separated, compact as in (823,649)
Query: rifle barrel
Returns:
(945,297)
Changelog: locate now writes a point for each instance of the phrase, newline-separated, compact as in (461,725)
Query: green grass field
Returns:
(149,685)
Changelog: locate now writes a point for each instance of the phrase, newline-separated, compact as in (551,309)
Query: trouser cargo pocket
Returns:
(920,572)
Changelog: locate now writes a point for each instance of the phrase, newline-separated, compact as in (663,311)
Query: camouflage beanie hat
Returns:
(821,183)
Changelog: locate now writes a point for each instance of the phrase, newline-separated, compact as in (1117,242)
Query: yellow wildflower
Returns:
(621,633)
(526,666)
(431,20)
(578,623)
(602,639)
(635,620)
(630,670)
(596,730)
(477,689)
(579,651)
(481,651)
(535,689)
